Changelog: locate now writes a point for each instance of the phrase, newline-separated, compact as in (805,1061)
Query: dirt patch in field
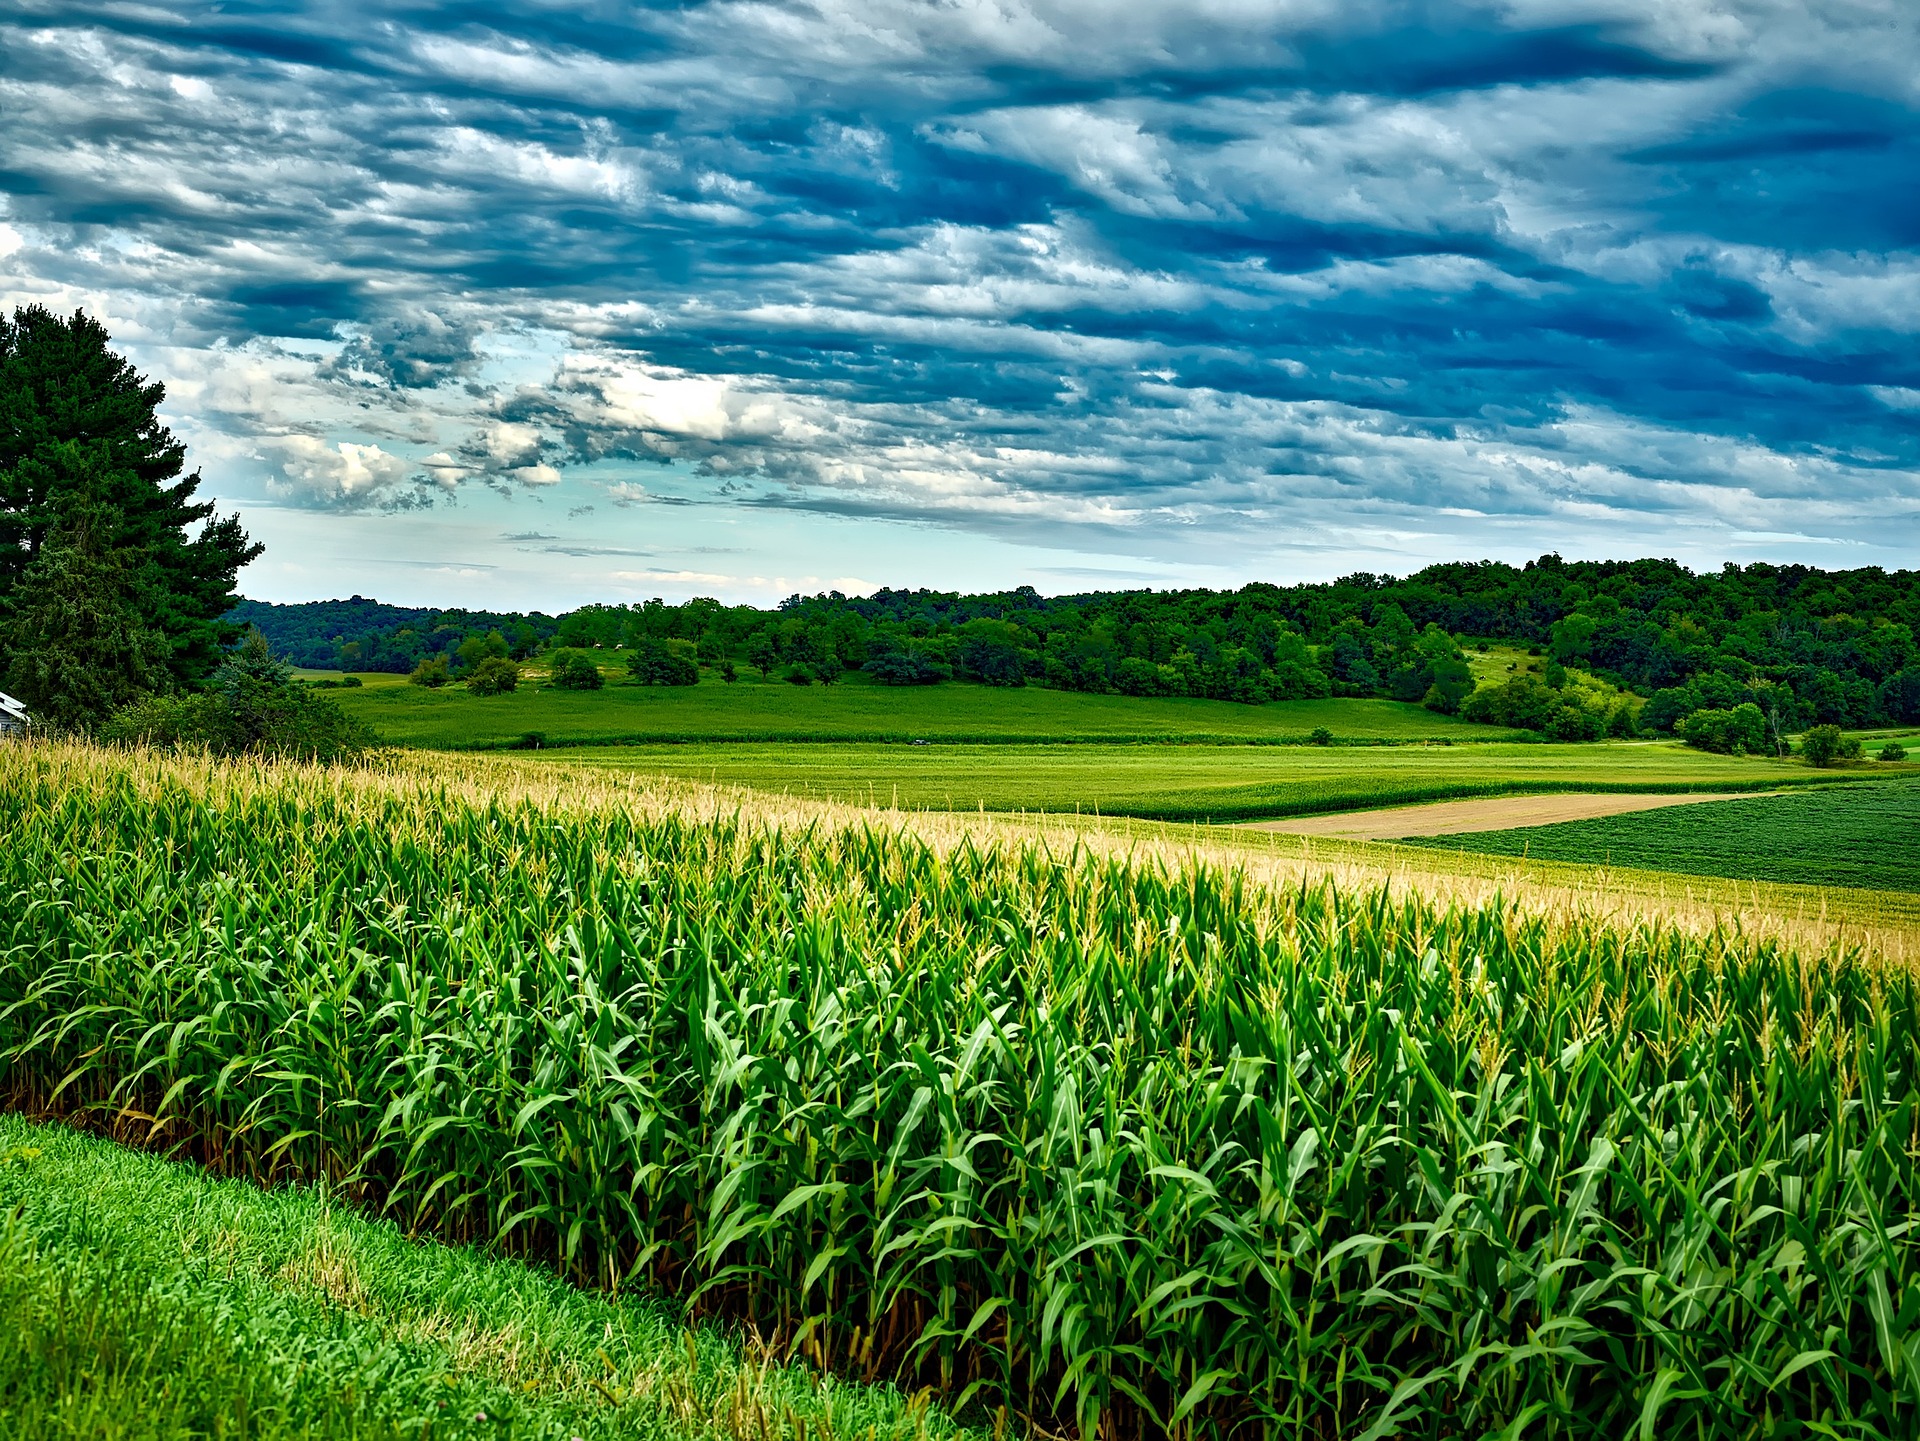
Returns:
(1493,813)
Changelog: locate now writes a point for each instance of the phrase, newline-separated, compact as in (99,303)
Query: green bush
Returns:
(1893,751)
(432,672)
(1821,745)
(494,676)
(1320,736)
(295,722)
(800,674)
(573,670)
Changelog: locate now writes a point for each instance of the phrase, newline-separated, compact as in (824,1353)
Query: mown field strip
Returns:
(1127,1147)
(1450,818)
(1196,782)
(144,1298)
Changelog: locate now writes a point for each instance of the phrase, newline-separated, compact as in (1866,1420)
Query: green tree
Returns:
(656,662)
(76,646)
(67,399)
(569,669)
(1821,745)
(493,675)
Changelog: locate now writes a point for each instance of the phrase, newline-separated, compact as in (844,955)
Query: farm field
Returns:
(1198,782)
(144,1298)
(1040,1126)
(1863,836)
(856,709)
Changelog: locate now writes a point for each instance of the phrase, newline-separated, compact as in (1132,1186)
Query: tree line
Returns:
(1625,645)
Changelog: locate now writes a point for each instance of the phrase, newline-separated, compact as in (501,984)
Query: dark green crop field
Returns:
(1867,836)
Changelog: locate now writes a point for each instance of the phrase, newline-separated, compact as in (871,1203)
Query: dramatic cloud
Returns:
(1213,289)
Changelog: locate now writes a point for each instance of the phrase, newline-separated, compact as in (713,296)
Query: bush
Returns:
(573,670)
(432,672)
(495,675)
(654,662)
(801,674)
(1893,751)
(294,723)
(1320,736)
(1821,745)
(1571,723)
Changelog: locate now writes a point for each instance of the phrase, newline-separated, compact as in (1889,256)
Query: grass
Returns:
(1129,1145)
(1197,782)
(1863,836)
(141,1298)
(857,710)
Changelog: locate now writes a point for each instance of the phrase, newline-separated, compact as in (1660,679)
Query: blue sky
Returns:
(534,304)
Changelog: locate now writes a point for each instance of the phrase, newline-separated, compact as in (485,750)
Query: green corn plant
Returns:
(1123,1148)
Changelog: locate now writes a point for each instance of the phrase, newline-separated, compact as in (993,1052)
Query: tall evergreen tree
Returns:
(74,642)
(61,386)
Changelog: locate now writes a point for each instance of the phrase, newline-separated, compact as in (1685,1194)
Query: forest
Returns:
(1803,646)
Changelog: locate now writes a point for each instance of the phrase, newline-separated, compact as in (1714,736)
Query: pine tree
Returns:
(61,387)
(73,633)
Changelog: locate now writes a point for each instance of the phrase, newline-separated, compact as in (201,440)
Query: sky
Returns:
(526,305)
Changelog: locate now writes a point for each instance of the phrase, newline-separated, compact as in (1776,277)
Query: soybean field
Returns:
(1865,836)
(1118,1147)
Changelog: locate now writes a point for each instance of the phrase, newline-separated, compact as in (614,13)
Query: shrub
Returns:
(573,670)
(432,672)
(1893,751)
(293,722)
(496,675)
(654,662)
(1821,745)
(801,674)
(1320,736)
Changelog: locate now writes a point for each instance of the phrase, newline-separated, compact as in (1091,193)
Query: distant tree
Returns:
(762,653)
(801,674)
(1320,736)
(432,672)
(905,667)
(1893,751)
(495,675)
(1452,684)
(655,662)
(477,648)
(728,672)
(79,427)
(569,669)
(1740,731)
(1821,745)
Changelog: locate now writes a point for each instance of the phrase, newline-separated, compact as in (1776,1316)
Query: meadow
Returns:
(145,1300)
(856,709)
(1116,1144)
(1199,782)
(1860,836)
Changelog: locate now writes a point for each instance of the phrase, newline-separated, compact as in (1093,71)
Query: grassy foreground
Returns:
(1132,1146)
(1200,782)
(858,710)
(1861,836)
(141,1298)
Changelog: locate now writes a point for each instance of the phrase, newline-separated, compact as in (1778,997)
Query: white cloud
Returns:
(340,475)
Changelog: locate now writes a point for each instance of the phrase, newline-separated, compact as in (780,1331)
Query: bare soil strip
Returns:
(1493,813)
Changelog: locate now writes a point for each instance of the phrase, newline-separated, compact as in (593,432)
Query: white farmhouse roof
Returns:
(12,712)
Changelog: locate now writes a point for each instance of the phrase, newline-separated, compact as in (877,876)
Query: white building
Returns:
(13,716)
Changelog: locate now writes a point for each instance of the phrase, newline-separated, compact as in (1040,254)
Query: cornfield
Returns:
(1115,1146)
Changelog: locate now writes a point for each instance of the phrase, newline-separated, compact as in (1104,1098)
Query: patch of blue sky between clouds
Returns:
(734,296)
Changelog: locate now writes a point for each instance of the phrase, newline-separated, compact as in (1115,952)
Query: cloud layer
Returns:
(1258,287)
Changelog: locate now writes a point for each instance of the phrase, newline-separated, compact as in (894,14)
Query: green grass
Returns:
(1865,836)
(1197,782)
(1127,1147)
(453,718)
(141,1298)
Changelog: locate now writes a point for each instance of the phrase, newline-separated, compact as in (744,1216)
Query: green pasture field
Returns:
(1197,782)
(453,718)
(1864,836)
(141,1298)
